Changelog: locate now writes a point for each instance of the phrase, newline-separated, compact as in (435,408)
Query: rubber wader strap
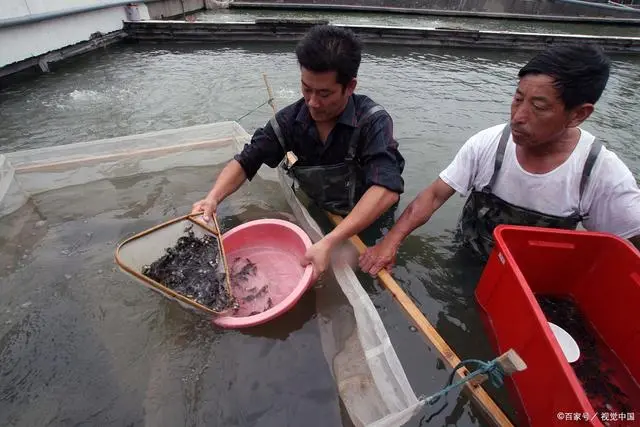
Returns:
(278,132)
(502,146)
(596,147)
(353,144)
(370,112)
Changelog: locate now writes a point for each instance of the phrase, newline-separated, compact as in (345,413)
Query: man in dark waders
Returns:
(339,145)
(540,169)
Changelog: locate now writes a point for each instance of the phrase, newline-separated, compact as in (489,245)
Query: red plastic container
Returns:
(601,274)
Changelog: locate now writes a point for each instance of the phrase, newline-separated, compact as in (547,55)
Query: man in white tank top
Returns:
(540,169)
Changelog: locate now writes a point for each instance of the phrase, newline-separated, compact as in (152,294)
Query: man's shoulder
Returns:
(364,104)
(610,169)
(363,101)
(491,133)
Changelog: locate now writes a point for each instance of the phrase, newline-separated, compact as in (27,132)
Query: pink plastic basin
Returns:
(279,280)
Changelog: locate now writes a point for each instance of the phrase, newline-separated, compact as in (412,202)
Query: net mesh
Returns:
(143,249)
(368,375)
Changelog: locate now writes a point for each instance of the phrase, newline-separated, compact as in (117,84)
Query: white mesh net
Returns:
(367,370)
(368,375)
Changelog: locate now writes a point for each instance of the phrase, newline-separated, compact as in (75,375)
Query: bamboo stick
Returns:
(491,409)
(270,92)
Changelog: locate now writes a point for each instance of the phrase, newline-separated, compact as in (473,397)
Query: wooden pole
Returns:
(270,92)
(490,408)
(510,362)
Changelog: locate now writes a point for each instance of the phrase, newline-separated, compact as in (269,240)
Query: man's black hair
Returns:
(580,72)
(329,48)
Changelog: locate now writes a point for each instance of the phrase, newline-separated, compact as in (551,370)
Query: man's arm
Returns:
(420,210)
(375,201)
(382,165)
(459,176)
(416,214)
(229,180)
(615,204)
(264,148)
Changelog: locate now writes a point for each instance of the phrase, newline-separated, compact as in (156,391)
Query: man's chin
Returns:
(318,117)
(519,138)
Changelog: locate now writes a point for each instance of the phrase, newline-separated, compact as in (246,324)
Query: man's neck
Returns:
(326,126)
(324,129)
(546,157)
(563,143)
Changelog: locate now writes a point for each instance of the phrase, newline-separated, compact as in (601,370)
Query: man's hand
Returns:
(418,212)
(230,179)
(382,255)
(319,255)
(375,201)
(207,206)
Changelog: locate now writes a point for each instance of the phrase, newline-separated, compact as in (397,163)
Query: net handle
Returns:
(218,233)
(194,217)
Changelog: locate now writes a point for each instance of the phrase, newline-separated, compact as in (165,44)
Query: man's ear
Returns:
(580,114)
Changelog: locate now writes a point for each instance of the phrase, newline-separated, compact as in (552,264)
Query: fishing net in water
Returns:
(369,378)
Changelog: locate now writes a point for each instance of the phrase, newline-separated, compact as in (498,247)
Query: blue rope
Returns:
(491,369)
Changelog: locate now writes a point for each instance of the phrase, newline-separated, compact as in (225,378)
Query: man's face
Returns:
(324,96)
(538,114)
